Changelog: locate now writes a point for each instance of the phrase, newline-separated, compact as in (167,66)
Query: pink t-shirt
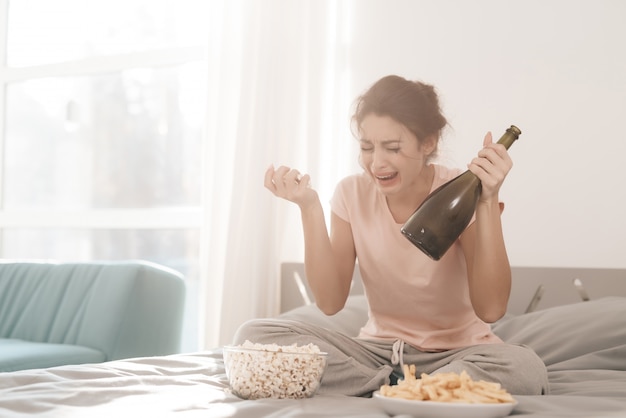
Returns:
(411,297)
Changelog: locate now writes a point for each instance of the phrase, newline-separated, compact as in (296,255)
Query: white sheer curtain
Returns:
(278,93)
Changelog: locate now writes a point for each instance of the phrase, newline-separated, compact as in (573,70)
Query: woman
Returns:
(434,314)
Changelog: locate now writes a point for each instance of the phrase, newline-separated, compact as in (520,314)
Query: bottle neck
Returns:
(510,136)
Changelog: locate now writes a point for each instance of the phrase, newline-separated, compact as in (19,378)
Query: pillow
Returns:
(583,335)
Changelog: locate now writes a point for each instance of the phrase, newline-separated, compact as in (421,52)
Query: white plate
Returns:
(394,406)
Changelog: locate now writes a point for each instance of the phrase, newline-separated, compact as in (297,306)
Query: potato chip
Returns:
(446,387)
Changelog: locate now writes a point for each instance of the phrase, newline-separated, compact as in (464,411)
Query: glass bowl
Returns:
(272,371)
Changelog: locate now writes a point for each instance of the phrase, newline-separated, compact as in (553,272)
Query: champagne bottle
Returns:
(446,212)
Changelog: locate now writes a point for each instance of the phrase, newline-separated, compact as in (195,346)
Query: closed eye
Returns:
(390,146)
(366,146)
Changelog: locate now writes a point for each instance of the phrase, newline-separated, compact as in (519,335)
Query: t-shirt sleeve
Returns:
(338,201)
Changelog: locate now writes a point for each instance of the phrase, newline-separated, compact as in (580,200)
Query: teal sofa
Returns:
(53,314)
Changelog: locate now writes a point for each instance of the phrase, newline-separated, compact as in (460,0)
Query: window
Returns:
(102,132)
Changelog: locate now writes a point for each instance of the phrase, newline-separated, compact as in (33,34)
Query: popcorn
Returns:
(258,371)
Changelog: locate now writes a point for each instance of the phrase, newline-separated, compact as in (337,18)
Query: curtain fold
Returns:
(276,95)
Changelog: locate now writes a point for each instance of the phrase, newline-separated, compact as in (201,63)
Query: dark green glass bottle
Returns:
(446,212)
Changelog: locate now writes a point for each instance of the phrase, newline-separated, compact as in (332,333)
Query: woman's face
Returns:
(391,154)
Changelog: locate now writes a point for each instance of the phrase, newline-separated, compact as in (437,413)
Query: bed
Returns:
(583,345)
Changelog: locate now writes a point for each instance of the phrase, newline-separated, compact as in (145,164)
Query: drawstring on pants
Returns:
(397,354)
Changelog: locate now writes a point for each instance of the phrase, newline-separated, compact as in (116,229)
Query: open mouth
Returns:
(386,177)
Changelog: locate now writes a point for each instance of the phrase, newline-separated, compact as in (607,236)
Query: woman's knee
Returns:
(530,372)
(256,331)
(522,371)
(517,368)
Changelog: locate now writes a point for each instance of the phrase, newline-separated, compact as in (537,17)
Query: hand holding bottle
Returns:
(491,166)
(289,184)
(446,212)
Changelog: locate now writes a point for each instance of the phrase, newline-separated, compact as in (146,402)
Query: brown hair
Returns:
(412,103)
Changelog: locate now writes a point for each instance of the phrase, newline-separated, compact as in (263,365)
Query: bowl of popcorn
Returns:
(257,371)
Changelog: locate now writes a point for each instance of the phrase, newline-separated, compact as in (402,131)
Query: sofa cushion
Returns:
(123,309)
(20,355)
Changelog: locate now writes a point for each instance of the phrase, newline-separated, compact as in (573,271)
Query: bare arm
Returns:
(489,271)
(329,260)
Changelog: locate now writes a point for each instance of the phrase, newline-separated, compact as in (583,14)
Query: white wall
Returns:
(556,69)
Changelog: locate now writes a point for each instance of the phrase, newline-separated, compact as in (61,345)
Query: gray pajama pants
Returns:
(357,367)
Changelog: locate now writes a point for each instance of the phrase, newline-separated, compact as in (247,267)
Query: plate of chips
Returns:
(432,409)
(444,395)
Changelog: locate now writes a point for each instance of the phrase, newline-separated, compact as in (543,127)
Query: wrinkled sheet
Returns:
(195,385)
(583,346)
(179,385)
